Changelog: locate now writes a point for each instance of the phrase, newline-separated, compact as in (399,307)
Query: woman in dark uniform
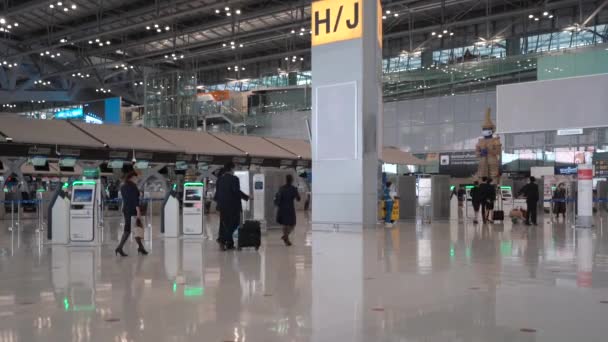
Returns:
(286,215)
(559,196)
(130,208)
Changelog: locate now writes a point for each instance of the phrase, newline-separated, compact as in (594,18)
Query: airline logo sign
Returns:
(336,20)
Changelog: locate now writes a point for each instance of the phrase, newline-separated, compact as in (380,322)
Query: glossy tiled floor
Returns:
(447,281)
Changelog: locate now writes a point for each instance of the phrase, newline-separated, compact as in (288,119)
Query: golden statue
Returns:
(489,150)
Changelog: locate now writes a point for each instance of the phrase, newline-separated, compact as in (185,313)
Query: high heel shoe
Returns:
(120,252)
(142,251)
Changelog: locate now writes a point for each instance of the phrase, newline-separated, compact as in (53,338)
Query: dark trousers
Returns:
(126,232)
(532,212)
(229,222)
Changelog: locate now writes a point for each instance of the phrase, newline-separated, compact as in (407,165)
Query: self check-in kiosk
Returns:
(259,202)
(170,215)
(193,216)
(84,212)
(58,217)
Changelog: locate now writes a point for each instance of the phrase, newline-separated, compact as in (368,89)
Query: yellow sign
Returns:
(336,20)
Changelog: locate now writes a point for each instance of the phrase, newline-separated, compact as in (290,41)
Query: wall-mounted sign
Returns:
(257,161)
(287,162)
(570,131)
(119,155)
(69,152)
(144,155)
(336,20)
(239,160)
(207,159)
(184,157)
(458,164)
(39,151)
(600,163)
(566,170)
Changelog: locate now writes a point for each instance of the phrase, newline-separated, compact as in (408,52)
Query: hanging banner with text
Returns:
(458,164)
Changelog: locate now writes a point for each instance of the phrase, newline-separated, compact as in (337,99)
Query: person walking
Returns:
(531,193)
(389,201)
(476,200)
(488,196)
(229,196)
(559,198)
(286,215)
(131,209)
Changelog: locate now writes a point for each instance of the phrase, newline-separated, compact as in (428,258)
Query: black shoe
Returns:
(119,251)
(142,251)
(286,241)
(231,247)
(527,223)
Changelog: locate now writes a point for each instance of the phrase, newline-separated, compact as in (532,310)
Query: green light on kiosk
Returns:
(66,304)
(452,187)
(40,190)
(174,186)
(506,187)
(65,185)
(83,183)
(174,287)
(469,187)
(194,184)
(190,291)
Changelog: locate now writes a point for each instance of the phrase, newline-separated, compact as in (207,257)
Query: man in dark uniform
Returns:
(531,192)
(228,196)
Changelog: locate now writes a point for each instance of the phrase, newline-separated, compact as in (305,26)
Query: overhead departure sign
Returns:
(336,20)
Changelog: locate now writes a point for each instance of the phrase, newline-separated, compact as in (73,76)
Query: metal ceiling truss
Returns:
(198,32)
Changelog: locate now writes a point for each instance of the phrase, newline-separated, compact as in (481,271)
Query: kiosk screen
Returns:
(82,196)
(193,194)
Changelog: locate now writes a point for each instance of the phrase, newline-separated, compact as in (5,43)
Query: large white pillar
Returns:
(347,112)
(584,217)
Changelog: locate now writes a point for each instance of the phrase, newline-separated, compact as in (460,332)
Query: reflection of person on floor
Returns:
(476,200)
(286,215)
(559,197)
(461,194)
(229,196)
(389,200)
(530,191)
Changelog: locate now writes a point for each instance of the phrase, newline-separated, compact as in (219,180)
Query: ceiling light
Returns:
(166,56)
(536,19)
(97,40)
(383,17)
(108,42)
(159,30)
(62,40)
(148,27)
(155,25)
(58,54)
(231,43)
(243,68)
(227,9)
(240,45)
(100,44)
(73,7)
(182,57)
(10,27)
(301,33)
(531,16)
(65,9)
(545,13)
(445,31)
(238,11)
(233,47)
(42,54)
(451,33)
(440,36)
(16,25)
(286,58)
(2,21)
(229,68)
(228,14)
(388,11)
(52,6)
(551,16)
(217,11)
(224,45)
(301,58)
(59,3)
(167,28)
(396,15)
(433,33)
(90,42)
(47,53)
(293,31)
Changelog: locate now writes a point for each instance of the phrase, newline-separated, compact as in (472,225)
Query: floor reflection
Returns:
(445,281)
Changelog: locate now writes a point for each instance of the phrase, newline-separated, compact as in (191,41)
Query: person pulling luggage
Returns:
(531,193)
(229,196)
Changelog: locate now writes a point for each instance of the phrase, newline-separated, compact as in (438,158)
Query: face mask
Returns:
(487,132)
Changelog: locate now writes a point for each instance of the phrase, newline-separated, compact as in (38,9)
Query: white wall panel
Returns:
(577,102)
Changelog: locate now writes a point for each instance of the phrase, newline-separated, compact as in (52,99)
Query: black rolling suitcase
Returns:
(499,215)
(250,235)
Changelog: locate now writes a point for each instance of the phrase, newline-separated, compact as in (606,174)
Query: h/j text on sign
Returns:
(336,20)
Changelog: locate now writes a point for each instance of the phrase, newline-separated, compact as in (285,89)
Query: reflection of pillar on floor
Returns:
(337,286)
(584,258)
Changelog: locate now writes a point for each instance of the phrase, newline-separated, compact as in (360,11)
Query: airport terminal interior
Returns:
(303,171)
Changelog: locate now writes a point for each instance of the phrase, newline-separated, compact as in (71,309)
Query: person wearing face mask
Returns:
(131,209)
